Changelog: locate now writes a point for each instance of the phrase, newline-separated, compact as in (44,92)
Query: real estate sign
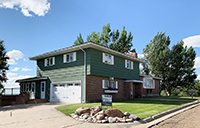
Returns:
(106,100)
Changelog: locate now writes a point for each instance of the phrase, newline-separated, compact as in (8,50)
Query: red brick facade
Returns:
(94,90)
(126,90)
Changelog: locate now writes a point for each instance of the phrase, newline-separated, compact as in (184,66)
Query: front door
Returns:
(32,91)
(43,89)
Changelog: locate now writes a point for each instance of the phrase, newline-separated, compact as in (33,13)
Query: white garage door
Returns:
(66,92)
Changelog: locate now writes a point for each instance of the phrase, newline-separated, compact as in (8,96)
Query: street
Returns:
(187,119)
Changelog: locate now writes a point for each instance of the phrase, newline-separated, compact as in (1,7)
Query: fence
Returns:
(11,91)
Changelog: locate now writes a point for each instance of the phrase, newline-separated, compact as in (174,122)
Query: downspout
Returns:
(85,74)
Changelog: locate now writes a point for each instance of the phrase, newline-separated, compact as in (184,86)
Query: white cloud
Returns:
(198,76)
(193,41)
(12,77)
(12,61)
(140,55)
(10,74)
(25,59)
(38,7)
(197,62)
(14,55)
(15,69)
(26,69)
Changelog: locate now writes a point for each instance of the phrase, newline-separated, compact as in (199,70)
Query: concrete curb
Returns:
(153,120)
(149,119)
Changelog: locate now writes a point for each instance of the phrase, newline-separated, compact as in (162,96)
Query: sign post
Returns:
(106,100)
(191,92)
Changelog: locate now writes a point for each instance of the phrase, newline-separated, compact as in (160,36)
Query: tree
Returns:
(79,40)
(196,87)
(3,64)
(123,44)
(146,68)
(174,66)
(94,37)
(181,67)
(157,55)
(110,39)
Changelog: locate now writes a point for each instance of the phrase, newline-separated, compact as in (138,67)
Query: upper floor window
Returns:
(69,57)
(149,83)
(128,64)
(108,59)
(49,61)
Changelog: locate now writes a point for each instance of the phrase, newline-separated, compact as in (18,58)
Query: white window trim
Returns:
(116,84)
(144,86)
(103,84)
(65,57)
(127,65)
(104,58)
(53,61)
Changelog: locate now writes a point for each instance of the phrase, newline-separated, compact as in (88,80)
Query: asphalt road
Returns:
(186,119)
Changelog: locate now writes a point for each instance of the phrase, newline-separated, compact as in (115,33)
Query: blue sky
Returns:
(32,27)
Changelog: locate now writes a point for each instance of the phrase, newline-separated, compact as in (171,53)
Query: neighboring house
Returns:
(82,73)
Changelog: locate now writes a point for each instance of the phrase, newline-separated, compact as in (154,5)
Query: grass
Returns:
(177,97)
(141,108)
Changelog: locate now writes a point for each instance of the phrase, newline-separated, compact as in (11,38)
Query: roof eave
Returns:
(85,45)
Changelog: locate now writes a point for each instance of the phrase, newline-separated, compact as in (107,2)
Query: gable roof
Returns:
(151,76)
(31,79)
(84,46)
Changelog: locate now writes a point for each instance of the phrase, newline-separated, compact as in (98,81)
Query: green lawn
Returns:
(177,97)
(141,108)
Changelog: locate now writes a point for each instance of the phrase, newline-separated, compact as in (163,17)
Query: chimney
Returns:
(133,53)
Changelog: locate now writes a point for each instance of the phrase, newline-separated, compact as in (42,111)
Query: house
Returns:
(85,72)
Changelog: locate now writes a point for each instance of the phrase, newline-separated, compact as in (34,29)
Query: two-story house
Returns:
(85,72)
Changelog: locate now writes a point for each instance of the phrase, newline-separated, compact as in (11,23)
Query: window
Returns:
(62,85)
(69,84)
(55,85)
(77,84)
(114,84)
(24,87)
(105,83)
(149,83)
(108,59)
(21,87)
(49,61)
(128,64)
(69,57)
(27,87)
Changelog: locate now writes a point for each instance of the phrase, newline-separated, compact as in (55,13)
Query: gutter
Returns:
(85,73)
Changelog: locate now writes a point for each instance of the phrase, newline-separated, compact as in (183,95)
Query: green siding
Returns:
(37,94)
(73,71)
(61,72)
(117,70)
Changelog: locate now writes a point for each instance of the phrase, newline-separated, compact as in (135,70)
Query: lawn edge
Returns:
(159,115)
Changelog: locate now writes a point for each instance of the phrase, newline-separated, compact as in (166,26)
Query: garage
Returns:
(66,92)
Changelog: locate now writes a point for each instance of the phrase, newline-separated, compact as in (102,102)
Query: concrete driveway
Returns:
(33,116)
(45,116)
